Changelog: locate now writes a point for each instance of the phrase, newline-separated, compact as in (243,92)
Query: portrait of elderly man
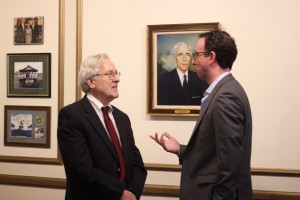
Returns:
(180,86)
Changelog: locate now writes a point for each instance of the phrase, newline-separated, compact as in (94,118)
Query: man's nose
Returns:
(116,79)
(193,62)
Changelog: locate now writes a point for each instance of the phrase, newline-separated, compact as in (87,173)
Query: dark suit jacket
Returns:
(170,91)
(216,160)
(90,160)
(20,34)
(35,33)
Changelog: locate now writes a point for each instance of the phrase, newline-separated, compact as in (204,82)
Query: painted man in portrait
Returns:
(180,86)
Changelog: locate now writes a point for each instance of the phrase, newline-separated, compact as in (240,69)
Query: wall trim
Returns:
(149,189)
(79,29)
(257,171)
(31,160)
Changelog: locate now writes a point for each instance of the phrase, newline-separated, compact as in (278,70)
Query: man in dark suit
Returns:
(35,31)
(216,160)
(20,34)
(180,86)
(96,141)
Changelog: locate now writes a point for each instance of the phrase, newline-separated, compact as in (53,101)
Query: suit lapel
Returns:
(122,133)
(93,118)
(176,80)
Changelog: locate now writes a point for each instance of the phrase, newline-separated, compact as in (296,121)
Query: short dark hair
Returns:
(223,45)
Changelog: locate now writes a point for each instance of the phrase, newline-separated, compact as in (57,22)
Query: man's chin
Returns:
(200,76)
(183,69)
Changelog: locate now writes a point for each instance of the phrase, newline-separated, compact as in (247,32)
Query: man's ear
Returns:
(90,83)
(212,57)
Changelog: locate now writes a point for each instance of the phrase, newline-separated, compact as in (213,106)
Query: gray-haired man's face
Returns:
(183,57)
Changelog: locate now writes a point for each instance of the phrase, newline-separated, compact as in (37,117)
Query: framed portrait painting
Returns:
(174,88)
(28,30)
(27,126)
(29,75)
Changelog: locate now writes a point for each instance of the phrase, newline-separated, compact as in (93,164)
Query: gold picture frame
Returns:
(165,97)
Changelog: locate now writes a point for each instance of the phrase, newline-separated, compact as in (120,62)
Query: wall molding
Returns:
(257,171)
(149,189)
(79,29)
(31,160)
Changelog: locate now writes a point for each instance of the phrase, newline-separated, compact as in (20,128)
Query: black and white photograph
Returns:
(29,75)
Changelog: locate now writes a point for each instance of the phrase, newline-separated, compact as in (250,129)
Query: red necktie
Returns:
(114,137)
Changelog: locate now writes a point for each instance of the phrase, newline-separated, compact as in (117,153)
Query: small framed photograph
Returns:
(29,75)
(28,30)
(27,126)
(174,89)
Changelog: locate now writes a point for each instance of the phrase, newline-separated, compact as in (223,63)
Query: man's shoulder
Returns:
(170,73)
(73,107)
(229,82)
(77,105)
(118,111)
(230,85)
(168,76)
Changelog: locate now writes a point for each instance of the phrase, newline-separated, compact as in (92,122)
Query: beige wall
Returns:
(267,34)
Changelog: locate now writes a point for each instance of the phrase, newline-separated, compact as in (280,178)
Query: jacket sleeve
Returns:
(181,153)
(228,119)
(136,184)
(139,173)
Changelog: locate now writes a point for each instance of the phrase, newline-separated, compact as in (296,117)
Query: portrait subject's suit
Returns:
(170,92)
(35,33)
(216,160)
(91,162)
(20,37)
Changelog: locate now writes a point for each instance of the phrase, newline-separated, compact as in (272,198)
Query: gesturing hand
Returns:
(170,145)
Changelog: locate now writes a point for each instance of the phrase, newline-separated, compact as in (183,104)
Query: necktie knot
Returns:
(105,110)
(184,78)
(185,83)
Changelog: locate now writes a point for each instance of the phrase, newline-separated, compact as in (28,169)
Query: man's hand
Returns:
(127,195)
(171,145)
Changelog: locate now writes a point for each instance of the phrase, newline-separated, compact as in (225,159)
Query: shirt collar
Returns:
(213,85)
(96,103)
(180,74)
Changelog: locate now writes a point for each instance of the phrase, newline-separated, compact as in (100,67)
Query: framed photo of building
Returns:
(170,54)
(27,126)
(28,30)
(29,75)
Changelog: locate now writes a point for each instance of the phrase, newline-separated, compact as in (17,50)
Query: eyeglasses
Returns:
(198,54)
(110,75)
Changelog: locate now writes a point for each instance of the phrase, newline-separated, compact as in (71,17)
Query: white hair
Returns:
(180,44)
(90,68)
